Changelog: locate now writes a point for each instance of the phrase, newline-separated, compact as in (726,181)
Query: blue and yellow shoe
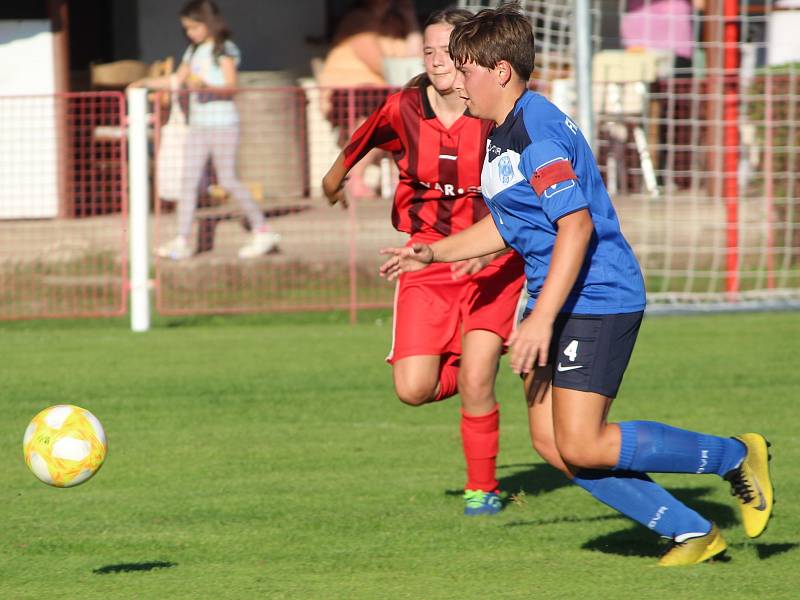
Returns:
(478,502)
(751,484)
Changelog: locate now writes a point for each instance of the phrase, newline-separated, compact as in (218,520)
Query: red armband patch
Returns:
(552,174)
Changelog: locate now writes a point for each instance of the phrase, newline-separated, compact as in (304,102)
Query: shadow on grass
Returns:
(570,519)
(535,479)
(765,551)
(133,567)
(634,541)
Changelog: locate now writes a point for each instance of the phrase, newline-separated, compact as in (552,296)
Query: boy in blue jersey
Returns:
(548,202)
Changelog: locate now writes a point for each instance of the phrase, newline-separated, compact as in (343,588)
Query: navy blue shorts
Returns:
(590,353)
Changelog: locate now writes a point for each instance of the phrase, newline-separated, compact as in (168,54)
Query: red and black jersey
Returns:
(440,168)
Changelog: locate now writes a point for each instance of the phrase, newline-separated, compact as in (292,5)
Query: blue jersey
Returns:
(539,168)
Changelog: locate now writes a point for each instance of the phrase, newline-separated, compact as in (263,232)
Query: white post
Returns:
(582,28)
(138,205)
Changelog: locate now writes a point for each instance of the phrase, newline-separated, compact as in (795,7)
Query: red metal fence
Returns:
(282,140)
(63,250)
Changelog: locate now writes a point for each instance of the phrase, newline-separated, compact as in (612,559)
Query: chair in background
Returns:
(116,75)
(119,74)
(621,101)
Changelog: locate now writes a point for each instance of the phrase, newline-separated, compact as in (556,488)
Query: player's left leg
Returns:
(488,304)
(480,419)
(588,443)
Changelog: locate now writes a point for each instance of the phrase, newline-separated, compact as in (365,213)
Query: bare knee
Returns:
(414,394)
(578,452)
(476,388)
(589,448)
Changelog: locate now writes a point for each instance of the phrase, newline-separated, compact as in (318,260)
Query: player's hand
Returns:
(530,344)
(470,266)
(405,260)
(334,190)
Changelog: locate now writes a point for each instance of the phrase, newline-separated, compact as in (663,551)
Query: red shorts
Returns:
(432,311)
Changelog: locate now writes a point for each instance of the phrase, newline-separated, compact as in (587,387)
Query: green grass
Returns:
(266,457)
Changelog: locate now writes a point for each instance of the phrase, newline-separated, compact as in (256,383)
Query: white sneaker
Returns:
(175,249)
(262,242)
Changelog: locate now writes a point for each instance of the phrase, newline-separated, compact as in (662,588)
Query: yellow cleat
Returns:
(751,484)
(694,550)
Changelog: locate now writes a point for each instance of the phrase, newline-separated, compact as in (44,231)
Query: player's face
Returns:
(438,65)
(196,31)
(476,86)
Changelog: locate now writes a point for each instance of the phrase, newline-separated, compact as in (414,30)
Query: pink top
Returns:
(659,25)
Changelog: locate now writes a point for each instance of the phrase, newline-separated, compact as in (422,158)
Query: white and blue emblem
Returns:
(505,168)
(500,173)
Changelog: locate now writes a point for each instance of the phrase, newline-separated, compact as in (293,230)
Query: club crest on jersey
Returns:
(505,169)
(500,173)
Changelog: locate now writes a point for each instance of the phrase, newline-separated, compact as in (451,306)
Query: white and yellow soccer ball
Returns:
(64,445)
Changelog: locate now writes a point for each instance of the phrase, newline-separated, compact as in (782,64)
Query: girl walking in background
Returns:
(210,61)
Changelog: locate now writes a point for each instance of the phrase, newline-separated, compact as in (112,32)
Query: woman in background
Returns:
(369,33)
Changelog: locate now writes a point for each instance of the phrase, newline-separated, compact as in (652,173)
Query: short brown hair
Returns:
(493,35)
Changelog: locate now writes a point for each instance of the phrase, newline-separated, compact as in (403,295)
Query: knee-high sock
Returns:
(480,437)
(640,498)
(651,447)
(448,377)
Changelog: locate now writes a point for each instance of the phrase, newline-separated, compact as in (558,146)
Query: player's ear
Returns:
(503,72)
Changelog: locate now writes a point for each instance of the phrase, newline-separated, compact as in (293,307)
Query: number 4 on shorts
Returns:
(571,351)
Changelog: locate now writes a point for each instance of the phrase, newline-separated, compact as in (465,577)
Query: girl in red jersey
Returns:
(450,321)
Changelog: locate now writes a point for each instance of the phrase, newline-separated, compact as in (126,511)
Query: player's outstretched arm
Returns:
(334,180)
(405,260)
(531,340)
(480,239)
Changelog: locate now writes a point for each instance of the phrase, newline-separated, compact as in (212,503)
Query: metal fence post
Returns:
(139,200)
(582,28)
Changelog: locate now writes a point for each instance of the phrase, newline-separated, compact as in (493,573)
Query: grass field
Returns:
(266,457)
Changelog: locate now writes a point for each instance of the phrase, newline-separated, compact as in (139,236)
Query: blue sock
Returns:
(637,496)
(650,447)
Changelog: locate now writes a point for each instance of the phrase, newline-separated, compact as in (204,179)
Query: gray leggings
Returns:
(220,144)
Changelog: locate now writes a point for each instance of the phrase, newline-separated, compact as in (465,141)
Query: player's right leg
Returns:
(417,379)
(539,398)
(426,337)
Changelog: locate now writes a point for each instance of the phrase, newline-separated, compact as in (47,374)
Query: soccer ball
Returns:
(64,445)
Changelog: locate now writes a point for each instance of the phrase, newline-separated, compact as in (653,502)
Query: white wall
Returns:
(271,33)
(28,129)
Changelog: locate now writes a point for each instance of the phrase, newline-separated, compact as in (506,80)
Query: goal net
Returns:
(696,137)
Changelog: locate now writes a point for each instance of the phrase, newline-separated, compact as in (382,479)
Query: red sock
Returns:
(448,377)
(481,439)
